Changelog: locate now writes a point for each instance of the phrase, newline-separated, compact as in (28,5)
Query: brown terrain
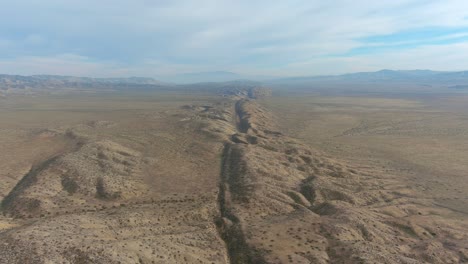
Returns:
(240,178)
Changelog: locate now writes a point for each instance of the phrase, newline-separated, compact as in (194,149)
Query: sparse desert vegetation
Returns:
(232,175)
(234,132)
(128,179)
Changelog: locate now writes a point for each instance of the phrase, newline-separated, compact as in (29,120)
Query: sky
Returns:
(116,38)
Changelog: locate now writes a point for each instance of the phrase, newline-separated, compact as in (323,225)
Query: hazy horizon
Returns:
(222,76)
(233,132)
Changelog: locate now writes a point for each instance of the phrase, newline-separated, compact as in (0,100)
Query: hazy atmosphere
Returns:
(259,39)
(233,132)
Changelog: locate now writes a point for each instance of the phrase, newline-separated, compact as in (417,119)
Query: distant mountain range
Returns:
(212,76)
(384,80)
(197,77)
(19,81)
(386,75)
(395,81)
(414,76)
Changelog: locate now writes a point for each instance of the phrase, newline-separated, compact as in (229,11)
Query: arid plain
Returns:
(233,175)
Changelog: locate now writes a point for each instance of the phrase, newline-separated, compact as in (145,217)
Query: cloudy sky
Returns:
(250,37)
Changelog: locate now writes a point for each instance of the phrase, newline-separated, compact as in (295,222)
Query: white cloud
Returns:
(451,57)
(64,64)
(76,65)
(261,37)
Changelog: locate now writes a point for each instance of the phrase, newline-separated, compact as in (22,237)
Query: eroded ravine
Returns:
(273,199)
(229,226)
(93,203)
(282,202)
(232,171)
